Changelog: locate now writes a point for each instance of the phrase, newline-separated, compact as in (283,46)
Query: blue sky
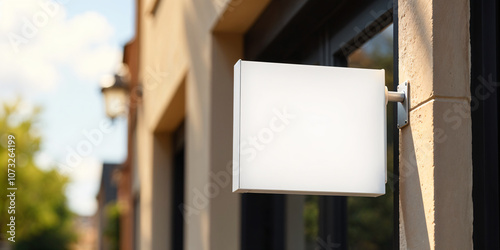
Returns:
(53,56)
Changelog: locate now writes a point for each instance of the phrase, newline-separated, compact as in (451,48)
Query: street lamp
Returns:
(115,90)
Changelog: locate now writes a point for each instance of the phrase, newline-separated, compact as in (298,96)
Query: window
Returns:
(321,33)
(178,189)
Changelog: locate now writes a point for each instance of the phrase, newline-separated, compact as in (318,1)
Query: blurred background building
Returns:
(106,215)
(87,233)
(175,184)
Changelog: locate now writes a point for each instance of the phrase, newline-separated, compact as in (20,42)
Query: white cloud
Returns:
(38,42)
(41,48)
(82,191)
(89,170)
(80,199)
(43,160)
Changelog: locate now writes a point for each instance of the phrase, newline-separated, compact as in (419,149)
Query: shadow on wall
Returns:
(412,217)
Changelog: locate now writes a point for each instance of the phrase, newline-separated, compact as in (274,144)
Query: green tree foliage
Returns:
(112,230)
(311,215)
(43,220)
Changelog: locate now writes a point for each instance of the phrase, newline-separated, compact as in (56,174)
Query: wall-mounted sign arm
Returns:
(402,97)
(393,96)
(296,131)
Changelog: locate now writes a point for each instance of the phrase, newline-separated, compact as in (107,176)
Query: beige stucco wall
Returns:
(188,50)
(436,149)
(187,55)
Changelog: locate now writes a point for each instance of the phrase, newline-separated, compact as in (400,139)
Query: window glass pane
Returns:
(311,218)
(370,220)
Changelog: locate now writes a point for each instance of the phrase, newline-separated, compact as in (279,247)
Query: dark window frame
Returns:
(288,26)
(178,188)
(485,57)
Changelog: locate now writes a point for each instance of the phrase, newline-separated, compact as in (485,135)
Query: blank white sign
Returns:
(302,129)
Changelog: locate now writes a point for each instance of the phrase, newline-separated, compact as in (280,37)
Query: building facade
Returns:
(176,185)
(106,197)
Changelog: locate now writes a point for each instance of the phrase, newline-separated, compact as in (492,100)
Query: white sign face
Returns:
(301,129)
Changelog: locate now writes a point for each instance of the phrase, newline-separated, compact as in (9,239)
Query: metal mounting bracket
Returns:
(402,97)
